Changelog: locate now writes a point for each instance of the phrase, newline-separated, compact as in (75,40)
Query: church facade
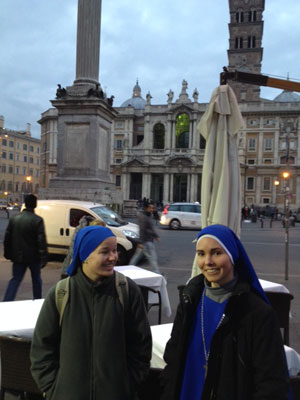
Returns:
(158,153)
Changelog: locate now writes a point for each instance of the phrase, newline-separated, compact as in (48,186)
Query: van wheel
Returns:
(122,255)
(174,224)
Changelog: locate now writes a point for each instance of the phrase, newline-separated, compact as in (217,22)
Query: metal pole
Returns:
(286,201)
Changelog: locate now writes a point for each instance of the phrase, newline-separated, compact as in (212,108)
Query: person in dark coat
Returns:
(226,343)
(148,235)
(102,348)
(25,245)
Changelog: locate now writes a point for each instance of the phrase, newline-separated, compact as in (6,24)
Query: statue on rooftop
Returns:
(170,96)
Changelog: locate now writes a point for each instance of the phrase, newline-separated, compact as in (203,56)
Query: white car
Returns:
(182,215)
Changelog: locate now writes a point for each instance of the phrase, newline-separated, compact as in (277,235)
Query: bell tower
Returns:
(245,44)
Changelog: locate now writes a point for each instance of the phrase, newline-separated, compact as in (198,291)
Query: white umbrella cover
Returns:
(220,191)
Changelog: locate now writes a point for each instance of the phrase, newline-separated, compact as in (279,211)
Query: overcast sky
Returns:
(160,42)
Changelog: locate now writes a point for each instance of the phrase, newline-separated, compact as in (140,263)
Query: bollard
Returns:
(271,222)
(261,223)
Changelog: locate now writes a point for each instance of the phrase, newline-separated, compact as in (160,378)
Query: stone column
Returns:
(168,137)
(146,185)
(166,196)
(88,41)
(260,147)
(276,148)
(188,188)
(125,185)
(171,187)
(258,190)
(193,187)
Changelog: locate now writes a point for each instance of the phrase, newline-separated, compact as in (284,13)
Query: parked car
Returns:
(182,215)
(62,216)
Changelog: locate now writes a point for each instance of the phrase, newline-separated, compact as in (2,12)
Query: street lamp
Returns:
(28,180)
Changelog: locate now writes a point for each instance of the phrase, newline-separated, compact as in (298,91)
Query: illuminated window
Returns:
(182,131)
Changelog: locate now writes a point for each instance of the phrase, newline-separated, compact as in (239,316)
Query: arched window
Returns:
(251,42)
(182,131)
(239,16)
(159,136)
(252,15)
(238,42)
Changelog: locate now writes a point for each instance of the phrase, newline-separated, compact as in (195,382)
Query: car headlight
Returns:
(130,234)
(162,219)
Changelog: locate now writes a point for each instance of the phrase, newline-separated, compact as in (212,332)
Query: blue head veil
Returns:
(233,246)
(86,241)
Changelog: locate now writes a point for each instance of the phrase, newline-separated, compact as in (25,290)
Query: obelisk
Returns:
(84,120)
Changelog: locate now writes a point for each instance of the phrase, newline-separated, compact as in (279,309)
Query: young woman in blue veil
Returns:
(226,343)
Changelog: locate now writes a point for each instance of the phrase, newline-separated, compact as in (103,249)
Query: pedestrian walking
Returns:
(25,245)
(102,347)
(148,235)
(226,342)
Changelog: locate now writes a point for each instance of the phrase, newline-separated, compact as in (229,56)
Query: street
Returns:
(176,250)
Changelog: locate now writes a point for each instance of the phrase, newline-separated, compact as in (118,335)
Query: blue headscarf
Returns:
(239,258)
(86,241)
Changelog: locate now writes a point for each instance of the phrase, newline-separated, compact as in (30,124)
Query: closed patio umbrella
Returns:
(220,192)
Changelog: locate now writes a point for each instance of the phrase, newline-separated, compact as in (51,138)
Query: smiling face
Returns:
(214,262)
(100,263)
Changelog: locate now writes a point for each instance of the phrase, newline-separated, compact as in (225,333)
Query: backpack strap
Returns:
(122,289)
(62,296)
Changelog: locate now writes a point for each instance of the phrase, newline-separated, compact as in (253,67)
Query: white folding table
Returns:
(155,281)
(161,334)
(273,286)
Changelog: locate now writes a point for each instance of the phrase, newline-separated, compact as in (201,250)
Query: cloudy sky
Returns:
(160,42)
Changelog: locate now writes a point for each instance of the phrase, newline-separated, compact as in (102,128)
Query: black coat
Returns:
(247,359)
(25,239)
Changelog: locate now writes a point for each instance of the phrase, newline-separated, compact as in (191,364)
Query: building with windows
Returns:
(19,163)
(158,153)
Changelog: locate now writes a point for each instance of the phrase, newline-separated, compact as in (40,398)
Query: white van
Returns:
(62,216)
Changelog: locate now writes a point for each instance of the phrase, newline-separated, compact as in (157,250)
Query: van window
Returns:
(110,217)
(76,215)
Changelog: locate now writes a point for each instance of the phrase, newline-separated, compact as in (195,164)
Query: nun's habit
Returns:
(203,312)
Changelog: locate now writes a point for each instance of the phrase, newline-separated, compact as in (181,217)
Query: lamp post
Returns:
(286,191)
(286,176)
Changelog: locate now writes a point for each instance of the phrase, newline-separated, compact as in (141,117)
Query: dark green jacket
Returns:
(101,352)
(25,240)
